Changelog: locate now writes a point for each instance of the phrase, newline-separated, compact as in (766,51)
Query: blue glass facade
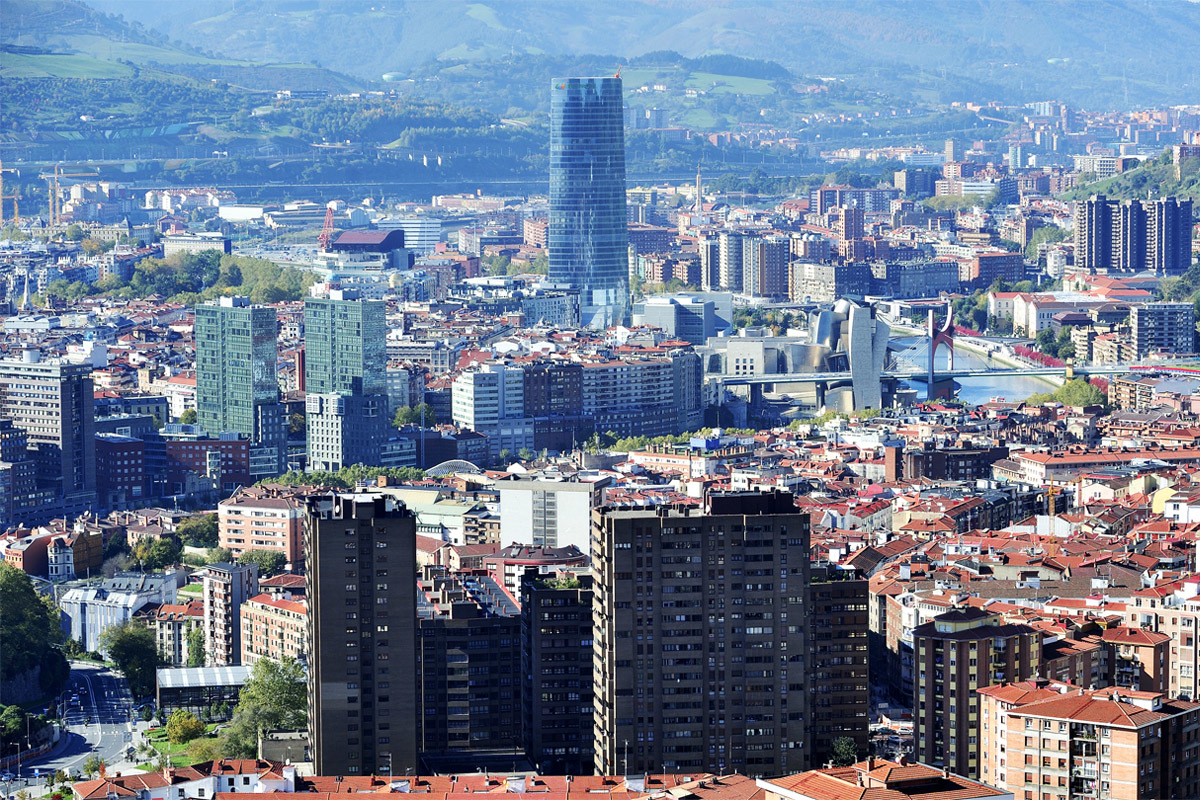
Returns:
(588,238)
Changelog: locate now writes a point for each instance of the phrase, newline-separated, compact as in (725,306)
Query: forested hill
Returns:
(936,50)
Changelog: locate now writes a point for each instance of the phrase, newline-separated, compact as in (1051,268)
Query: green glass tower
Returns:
(237,389)
(345,380)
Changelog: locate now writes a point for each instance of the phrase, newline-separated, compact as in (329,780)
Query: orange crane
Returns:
(53,185)
(15,197)
(326,236)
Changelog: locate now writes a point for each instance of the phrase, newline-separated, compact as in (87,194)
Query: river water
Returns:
(980,390)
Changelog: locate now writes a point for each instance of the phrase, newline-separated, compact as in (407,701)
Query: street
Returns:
(99,724)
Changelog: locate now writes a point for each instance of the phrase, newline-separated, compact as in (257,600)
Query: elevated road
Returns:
(920,374)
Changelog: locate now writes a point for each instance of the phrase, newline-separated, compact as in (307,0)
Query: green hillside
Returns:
(939,50)
(1155,178)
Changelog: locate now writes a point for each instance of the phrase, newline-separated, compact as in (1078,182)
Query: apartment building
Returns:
(274,628)
(264,518)
(1163,328)
(468,663)
(1174,611)
(556,669)
(1110,743)
(226,588)
(955,655)
(362,614)
(839,704)
(173,623)
(994,704)
(701,636)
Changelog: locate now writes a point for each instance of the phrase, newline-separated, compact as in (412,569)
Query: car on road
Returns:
(7,776)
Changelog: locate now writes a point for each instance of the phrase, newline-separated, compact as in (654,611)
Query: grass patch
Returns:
(177,753)
(192,588)
(26,65)
(485,15)
(729,83)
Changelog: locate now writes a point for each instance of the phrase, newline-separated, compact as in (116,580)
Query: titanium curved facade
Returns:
(588,238)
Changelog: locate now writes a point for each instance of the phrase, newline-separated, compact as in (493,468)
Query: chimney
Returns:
(870,763)
(946,772)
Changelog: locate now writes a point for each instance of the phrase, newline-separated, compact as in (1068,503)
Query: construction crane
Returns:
(15,197)
(1051,493)
(52,184)
(326,237)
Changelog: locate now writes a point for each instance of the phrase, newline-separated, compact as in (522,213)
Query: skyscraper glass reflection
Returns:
(588,239)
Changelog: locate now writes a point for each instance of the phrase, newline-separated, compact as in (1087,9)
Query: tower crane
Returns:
(15,196)
(53,185)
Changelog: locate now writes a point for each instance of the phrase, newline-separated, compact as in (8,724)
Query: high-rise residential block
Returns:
(556,670)
(345,379)
(840,704)
(701,637)
(226,588)
(765,265)
(468,664)
(362,616)
(237,389)
(1134,235)
(52,402)
(729,261)
(955,655)
(1163,327)
(588,240)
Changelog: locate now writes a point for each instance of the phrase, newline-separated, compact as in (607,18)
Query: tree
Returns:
(525,454)
(93,764)
(183,726)
(1047,342)
(845,752)
(204,749)
(74,232)
(420,414)
(1074,392)
(219,555)
(188,417)
(269,562)
(133,649)
(297,424)
(273,698)
(199,531)
(30,633)
(157,553)
(195,647)
(146,714)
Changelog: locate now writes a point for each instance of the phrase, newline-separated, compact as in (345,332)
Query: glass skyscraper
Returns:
(237,389)
(345,380)
(588,238)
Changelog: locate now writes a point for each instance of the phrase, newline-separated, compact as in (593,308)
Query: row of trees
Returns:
(346,477)
(31,636)
(195,277)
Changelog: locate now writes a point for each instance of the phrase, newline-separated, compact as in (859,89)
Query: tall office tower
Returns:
(226,588)
(1168,236)
(701,637)
(1163,327)
(556,672)
(840,691)
(362,617)
(764,266)
(52,402)
(955,655)
(345,379)
(236,384)
(588,238)
(709,248)
(1128,223)
(954,150)
(468,665)
(729,264)
(1093,234)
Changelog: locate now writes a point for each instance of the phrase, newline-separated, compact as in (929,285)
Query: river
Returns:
(982,389)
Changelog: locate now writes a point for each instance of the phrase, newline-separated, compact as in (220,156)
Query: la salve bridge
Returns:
(918,362)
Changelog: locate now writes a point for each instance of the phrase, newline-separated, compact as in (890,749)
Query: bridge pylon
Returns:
(940,336)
